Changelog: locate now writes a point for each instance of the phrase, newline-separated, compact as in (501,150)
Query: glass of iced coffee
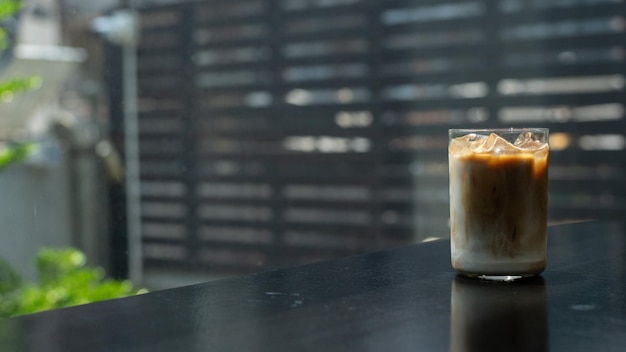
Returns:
(498,202)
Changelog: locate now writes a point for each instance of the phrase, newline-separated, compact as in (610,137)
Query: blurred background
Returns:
(179,142)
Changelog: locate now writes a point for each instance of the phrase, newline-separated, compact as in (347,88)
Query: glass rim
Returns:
(496,130)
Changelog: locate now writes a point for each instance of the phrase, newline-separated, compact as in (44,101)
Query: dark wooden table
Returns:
(405,299)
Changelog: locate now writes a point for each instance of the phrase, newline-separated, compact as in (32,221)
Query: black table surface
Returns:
(403,299)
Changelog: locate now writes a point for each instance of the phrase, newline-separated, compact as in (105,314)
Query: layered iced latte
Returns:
(498,201)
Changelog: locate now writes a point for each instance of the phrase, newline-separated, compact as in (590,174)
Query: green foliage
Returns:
(10,154)
(9,7)
(9,88)
(13,86)
(9,280)
(64,280)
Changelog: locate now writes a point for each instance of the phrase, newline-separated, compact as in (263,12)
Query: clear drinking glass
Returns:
(498,201)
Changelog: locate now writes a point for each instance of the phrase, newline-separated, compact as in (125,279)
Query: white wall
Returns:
(34,212)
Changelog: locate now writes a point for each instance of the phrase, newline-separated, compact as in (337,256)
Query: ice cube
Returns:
(525,137)
(471,138)
(496,145)
(528,140)
(466,143)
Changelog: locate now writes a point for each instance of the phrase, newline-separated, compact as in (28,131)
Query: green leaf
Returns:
(14,153)
(55,264)
(9,7)
(13,86)
(64,280)
(9,280)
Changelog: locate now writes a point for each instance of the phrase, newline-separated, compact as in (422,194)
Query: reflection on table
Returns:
(498,316)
